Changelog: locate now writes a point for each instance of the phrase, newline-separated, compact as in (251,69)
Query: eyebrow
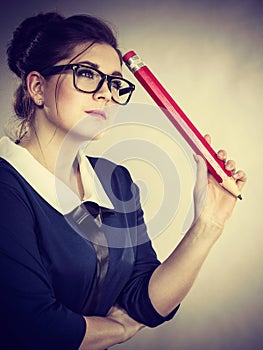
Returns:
(96,66)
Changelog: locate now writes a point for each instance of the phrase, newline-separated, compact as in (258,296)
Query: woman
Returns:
(77,269)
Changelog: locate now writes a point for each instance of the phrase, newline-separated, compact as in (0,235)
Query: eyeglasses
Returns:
(90,80)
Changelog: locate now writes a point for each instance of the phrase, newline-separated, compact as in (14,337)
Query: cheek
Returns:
(62,100)
(66,96)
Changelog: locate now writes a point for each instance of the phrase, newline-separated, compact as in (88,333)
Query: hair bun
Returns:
(25,37)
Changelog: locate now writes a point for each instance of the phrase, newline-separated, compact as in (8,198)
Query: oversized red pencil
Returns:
(181,122)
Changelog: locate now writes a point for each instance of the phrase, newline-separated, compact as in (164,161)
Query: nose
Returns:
(103,93)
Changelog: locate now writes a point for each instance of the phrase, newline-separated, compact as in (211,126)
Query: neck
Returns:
(57,152)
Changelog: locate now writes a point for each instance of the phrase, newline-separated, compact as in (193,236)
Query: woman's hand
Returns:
(214,204)
(104,332)
(130,326)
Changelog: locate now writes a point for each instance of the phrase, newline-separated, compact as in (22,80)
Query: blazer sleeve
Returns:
(30,316)
(135,297)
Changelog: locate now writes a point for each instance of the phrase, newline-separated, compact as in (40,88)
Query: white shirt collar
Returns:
(48,186)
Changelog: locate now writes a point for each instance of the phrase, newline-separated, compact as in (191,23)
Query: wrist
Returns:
(207,228)
(101,333)
(120,331)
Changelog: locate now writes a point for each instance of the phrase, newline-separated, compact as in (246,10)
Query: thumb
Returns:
(201,185)
(199,193)
(201,172)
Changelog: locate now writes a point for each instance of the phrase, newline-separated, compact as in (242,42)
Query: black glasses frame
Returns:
(104,77)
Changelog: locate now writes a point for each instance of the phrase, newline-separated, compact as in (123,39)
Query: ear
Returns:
(35,86)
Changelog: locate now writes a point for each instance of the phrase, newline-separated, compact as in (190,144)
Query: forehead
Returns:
(103,55)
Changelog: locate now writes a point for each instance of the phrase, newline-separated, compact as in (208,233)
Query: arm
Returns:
(31,316)
(134,297)
(103,332)
(172,280)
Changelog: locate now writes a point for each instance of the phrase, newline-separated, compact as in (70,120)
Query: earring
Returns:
(40,102)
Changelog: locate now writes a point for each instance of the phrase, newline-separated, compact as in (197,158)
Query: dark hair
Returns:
(43,40)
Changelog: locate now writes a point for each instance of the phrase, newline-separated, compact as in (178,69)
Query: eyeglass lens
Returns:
(88,79)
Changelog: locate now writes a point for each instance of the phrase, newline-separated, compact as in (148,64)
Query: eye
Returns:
(116,84)
(86,72)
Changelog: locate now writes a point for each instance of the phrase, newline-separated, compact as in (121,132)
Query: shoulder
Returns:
(107,167)
(13,189)
(9,175)
(116,179)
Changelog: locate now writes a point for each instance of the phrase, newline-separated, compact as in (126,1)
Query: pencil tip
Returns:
(240,197)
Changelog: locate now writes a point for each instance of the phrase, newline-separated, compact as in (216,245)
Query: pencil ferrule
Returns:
(134,63)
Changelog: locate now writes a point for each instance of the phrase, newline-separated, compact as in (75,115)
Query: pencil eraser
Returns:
(128,55)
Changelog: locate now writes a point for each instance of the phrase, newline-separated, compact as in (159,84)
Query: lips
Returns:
(99,113)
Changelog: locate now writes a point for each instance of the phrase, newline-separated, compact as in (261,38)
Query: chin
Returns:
(86,129)
(99,136)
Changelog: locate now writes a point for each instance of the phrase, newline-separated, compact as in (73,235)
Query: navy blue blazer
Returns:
(47,266)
